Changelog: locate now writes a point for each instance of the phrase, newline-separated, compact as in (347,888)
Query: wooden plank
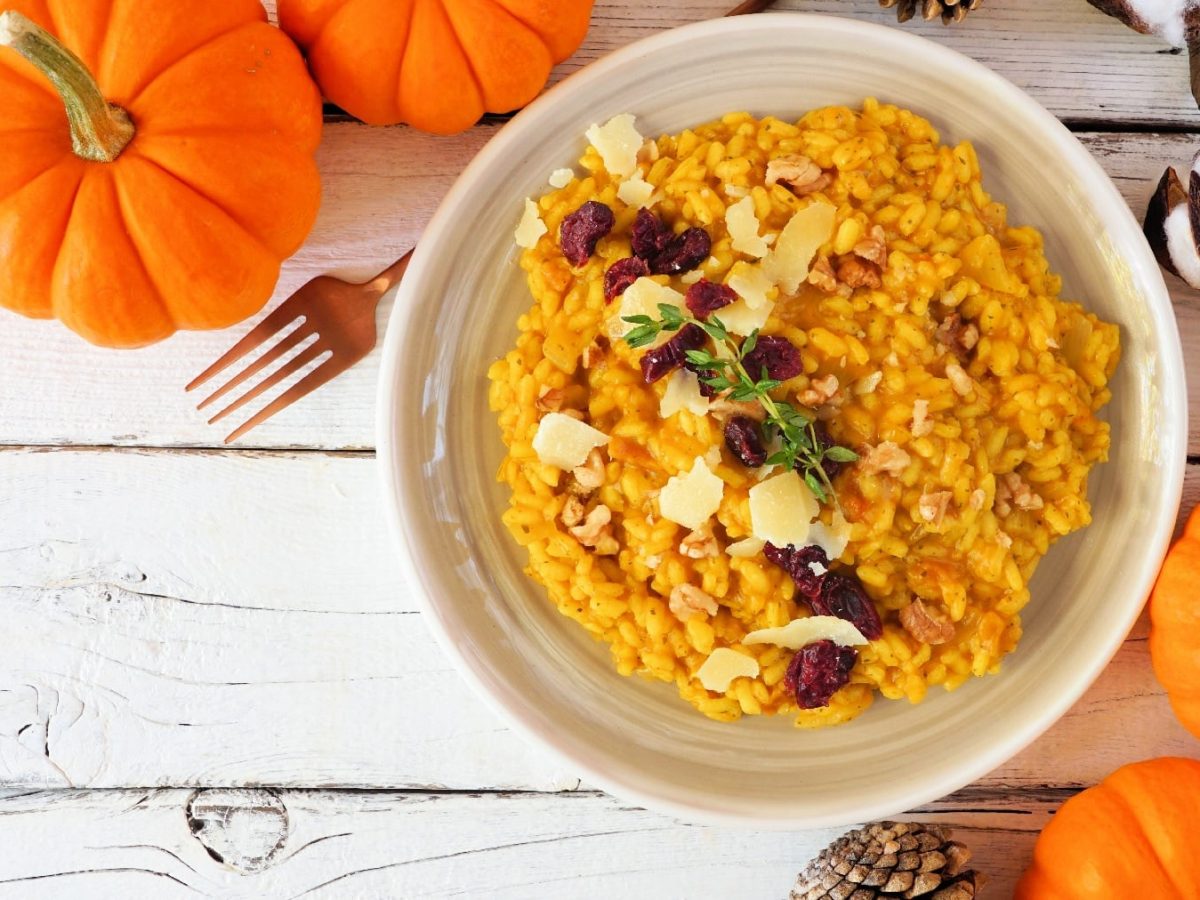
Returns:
(321,844)
(169,628)
(381,187)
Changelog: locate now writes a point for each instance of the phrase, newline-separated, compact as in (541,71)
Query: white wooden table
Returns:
(214,681)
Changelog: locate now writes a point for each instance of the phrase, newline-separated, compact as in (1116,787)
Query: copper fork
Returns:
(340,315)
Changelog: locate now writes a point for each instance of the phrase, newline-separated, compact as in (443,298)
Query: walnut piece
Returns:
(596,531)
(958,335)
(887,457)
(873,248)
(978,498)
(821,276)
(819,392)
(858,273)
(686,600)
(724,408)
(921,423)
(959,380)
(1012,491)
(549,399)
(932,506)
(921,624)
(572,511)
(798,174)
(700,544)
(590,476)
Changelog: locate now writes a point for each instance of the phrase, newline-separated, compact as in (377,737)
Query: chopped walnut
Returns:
(596,531)
(819,392)
(821,276)
(798,174)
(888,457)
(921,423)
(572,511)
(724,408)
(978,498)
(932,507)
(549,399)
(921,624)
(594,352)
(590,476)
(959,380)
(1003,539)
(858,273)
(700,544)
(873,248)
(958,335)
(686,600)
(1011,492)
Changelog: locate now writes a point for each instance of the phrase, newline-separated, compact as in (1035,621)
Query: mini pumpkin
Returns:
(156,163)
(1175,626)
(435,64)
(1133,835)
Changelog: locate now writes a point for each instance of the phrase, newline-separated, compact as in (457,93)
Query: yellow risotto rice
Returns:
(1012,445)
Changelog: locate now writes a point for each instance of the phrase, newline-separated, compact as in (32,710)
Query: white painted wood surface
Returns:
(180,620)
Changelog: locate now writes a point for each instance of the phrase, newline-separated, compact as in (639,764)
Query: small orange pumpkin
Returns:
(1175,626)
(1134,834)
(179,178)
(435,64)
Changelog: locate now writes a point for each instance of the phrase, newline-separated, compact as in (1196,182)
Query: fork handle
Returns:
(391,276)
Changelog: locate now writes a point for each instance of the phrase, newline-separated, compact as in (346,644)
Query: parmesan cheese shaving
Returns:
(781,509)
(565,442)
(691,499)
(683,392)
(802,632)
(743,227)
(831,538)
(739,318)
(746,548)
(723,666)
(636,192)
(751,284)
(641,299)
(618,142)
(787,263)
(560,178)
(531,226)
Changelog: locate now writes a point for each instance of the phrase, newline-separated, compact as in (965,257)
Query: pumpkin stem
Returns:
(99,130)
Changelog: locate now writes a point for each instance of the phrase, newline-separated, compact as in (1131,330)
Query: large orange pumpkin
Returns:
(436,64)
(1135,834)
(175,180)
(1175,626)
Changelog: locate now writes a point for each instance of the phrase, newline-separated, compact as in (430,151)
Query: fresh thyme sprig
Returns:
(726,371)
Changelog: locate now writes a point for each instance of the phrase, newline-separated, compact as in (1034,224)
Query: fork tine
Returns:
(298,336)
(282,373)
(271,325)
(323,374)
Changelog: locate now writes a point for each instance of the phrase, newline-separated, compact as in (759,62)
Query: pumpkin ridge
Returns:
(530,27)
(1123,801)
(62,240)
(466,56)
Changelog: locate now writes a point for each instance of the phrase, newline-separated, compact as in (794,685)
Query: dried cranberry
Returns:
(744,441)
(581,230)
(650,235)
(684,253)
(799,564)
(843,596)
(706,297)
(621,275)
(658,361)
(818,671)
(775,354)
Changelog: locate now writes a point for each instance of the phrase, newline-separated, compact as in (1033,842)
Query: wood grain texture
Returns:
(267,637)
(322,844)
(55,390)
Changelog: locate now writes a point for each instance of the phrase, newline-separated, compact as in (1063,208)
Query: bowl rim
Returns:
(403,506)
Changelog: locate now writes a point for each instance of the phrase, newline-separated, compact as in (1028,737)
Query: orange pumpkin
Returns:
(1175,626)
(1134,834)
(436,64)
(176,181)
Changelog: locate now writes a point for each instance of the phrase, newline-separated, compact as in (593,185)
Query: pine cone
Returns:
(949,10)
(890,860)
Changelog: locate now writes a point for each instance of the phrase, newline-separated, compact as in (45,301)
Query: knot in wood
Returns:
(242,829)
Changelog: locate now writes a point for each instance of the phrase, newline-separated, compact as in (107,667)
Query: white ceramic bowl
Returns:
(439,446)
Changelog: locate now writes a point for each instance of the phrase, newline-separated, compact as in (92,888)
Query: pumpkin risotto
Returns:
(795,412)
